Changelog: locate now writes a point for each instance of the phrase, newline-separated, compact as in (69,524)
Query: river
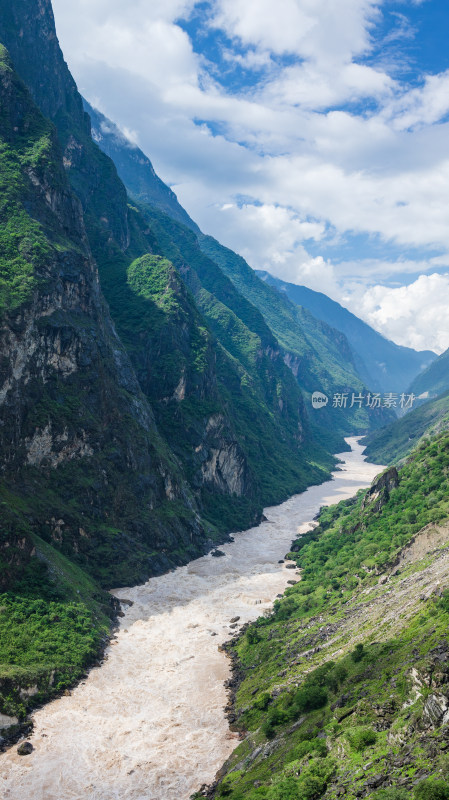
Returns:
(149,723)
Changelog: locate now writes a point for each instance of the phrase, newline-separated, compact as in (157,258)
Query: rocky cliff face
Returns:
(78,438)
(244,380)
(379,493)
(229,432)
(27,29)
(175,362)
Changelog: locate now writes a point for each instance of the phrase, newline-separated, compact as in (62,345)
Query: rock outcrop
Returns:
(379,493)
(72,410)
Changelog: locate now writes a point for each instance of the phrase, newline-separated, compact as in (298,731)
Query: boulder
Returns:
(25,749)
(435,711)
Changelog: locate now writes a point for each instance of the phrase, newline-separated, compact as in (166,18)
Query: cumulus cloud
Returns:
(269,236)
(414,315)
(322,144)
(318,29)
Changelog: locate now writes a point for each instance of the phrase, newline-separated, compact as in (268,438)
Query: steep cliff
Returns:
(78,440)
(319,355)
(224,402)
(383,365)
(27,29)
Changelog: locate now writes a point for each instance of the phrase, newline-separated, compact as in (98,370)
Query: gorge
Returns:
(177,517)
(149,723)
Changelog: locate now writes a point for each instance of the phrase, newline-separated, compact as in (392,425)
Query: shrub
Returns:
(358,653)
(263,702)
(225,789)
(309,698)
(432,789)
(252,636)
(268,729)
(315,746)
(360,738)
(391,793)
(308,787)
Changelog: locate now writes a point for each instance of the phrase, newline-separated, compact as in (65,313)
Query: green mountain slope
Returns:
(435,379)
(383,365)
(319,356)
(77,433)
(392,443)
(233,468)
(343,689)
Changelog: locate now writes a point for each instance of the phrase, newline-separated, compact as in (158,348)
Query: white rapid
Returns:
(149,722)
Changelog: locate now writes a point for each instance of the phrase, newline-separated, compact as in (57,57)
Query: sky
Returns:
(311,136)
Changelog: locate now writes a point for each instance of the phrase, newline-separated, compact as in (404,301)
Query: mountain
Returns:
(213,388)
(430,416)
(435,379)
(383,365)
(148,405)
(343,689)
(135,168)
(78,439)
(392,443)
(318,355)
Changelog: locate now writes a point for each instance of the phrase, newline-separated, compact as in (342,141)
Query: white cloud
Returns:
(315,166)
(308,28)
(414,315)
(424,105)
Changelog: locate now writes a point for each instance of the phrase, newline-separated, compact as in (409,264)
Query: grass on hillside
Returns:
(321,728)
(394,442)
(53,621)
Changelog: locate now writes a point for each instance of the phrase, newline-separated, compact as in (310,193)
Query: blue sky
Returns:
(309,135)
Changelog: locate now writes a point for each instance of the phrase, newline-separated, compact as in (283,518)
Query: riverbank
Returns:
(344,689)
(150,721)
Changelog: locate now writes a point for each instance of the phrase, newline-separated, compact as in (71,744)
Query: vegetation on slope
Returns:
(392,443)
(434,379)
(338,688)
(383,365)
(202,352)
(54,621)
(24,248)
(320,355)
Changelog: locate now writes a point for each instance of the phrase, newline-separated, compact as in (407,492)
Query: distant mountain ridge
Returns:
(135,168)
(434,379)
(318,355)
(394,442)
(381,364)
(386,366)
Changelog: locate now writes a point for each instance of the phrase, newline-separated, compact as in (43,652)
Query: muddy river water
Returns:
(149,722)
